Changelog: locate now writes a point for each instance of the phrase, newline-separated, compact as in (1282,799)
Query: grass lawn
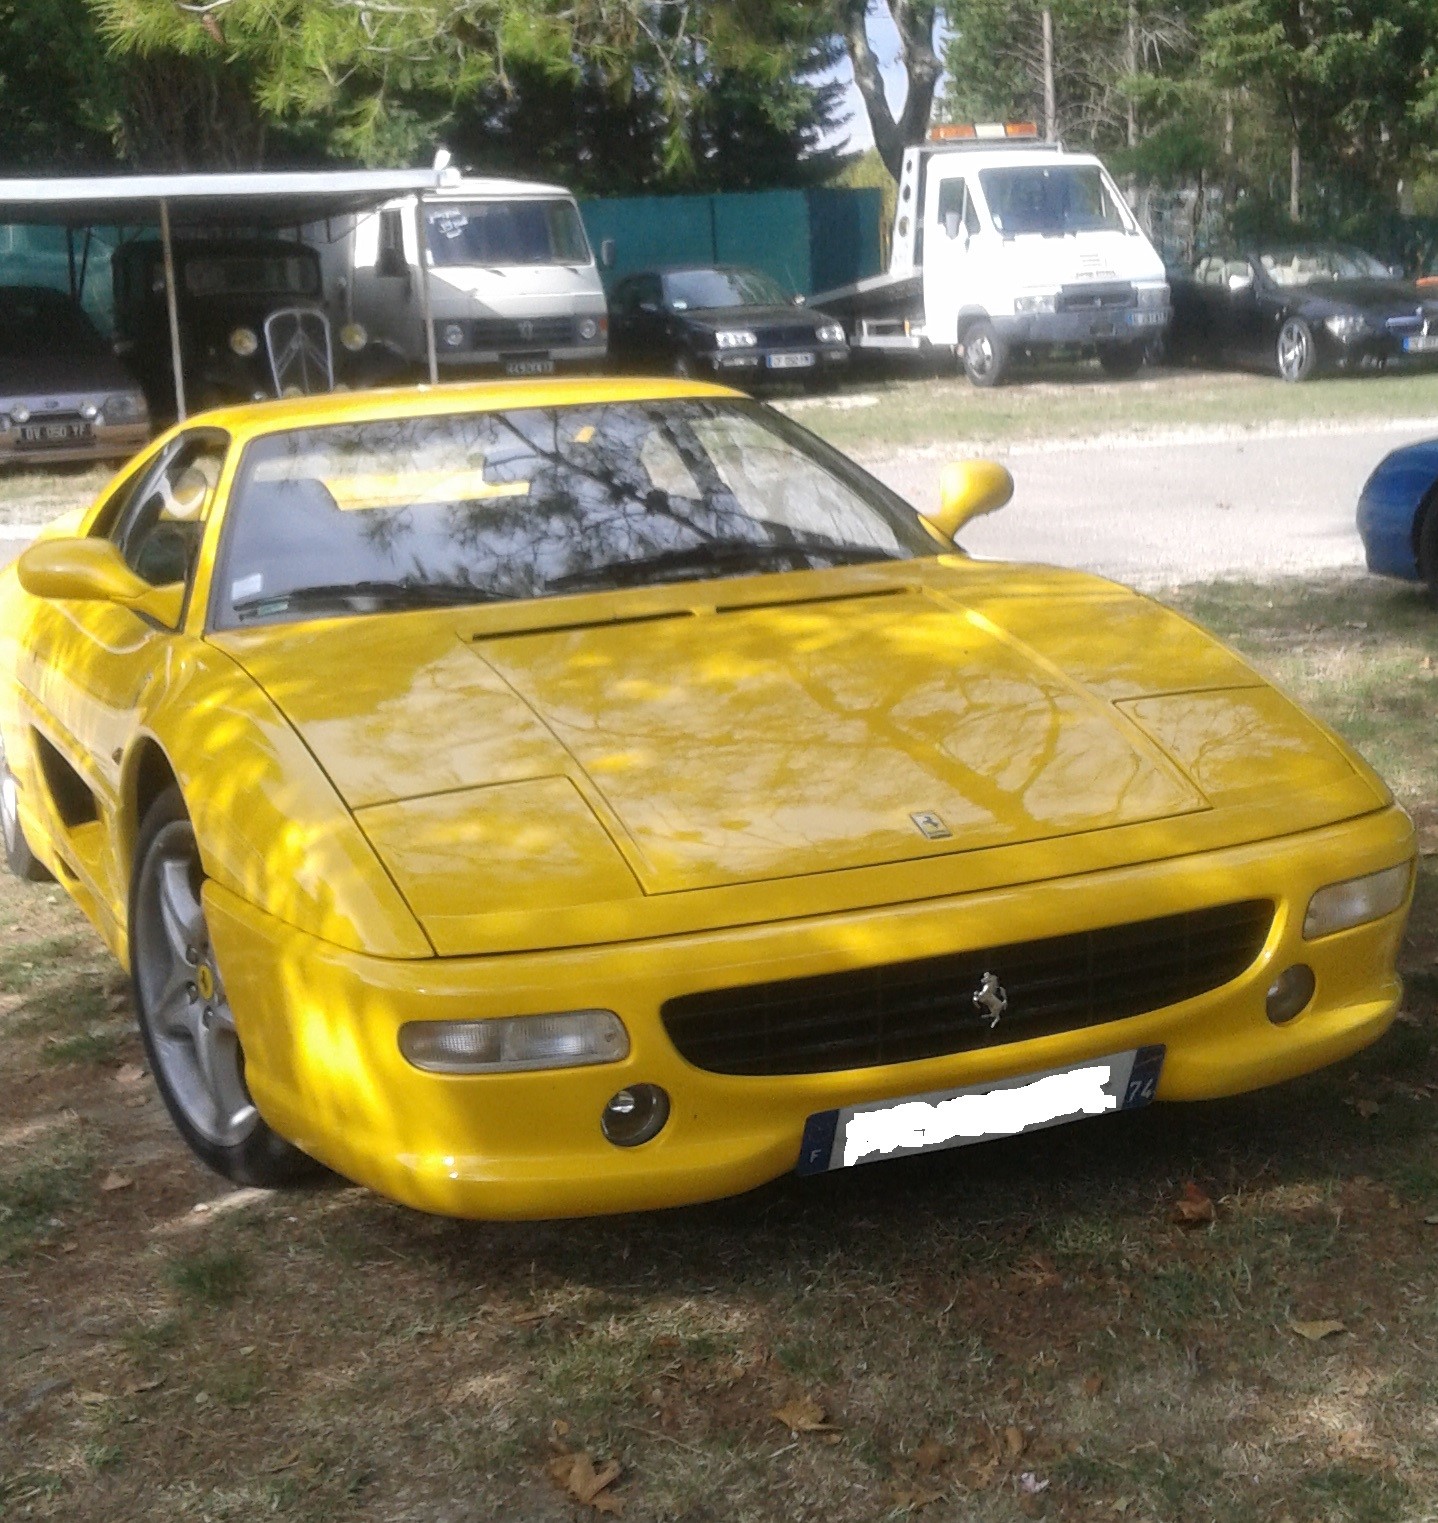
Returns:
(1021,1330)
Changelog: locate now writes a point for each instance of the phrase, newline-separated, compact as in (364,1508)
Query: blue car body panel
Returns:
(1389,505)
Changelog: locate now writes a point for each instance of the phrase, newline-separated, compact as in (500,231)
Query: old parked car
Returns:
(252,324)
(721,322)
(1299,310)
(556,798)
(63,394)
(1398,516)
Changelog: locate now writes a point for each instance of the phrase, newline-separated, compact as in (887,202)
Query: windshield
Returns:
(1311,264)
(722,288)
(482,507)
(1052,199)
(32,322)
(251,275)
(505,232)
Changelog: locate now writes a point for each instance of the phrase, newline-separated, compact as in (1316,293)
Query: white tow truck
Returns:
(1003,246)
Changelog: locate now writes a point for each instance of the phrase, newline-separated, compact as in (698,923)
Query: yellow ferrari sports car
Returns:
(556,798)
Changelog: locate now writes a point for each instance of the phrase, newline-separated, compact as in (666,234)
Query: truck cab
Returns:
(513,284)
(1006,247)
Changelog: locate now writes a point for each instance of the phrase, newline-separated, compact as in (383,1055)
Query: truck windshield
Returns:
(1051,199)
(251,275)
(505,232)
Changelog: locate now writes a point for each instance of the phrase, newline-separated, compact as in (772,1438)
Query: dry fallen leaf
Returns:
(1431,1220)
(930,1455)
(1013,1441)
(1093,1385)
(804,1415)
(577,1475)
(1368,1109)
(1194,1206)
(91,1398)
(139,1387)
(1316,1331)
(913,1498)
(116,1181)
(1030,1485)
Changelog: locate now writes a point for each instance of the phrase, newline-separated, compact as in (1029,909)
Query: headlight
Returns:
(1046,302)
(125,407)
(735,338)
(89,412)
(588,329)
(1150,296)
(1346,325)
(20,414)
(354,337)
(244,342)
(1356,901)
(451,335)
(512,1043)
(831,333)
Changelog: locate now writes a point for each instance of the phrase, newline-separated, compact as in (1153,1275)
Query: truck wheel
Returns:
(1120,359)
(986,355)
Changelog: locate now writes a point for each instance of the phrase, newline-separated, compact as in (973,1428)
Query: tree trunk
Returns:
(1293,168)
(914,20)
(1132,62)
(1051,124)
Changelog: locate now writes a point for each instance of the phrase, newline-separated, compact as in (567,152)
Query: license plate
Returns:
(529,367)
(51,433)
(1420,343)
(789,361)
(954,1118)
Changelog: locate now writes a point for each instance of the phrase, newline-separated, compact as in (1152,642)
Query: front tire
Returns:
(1428,548)
(18,857)
(1120,360)
(986,355)
(1295,353)
(184,1014)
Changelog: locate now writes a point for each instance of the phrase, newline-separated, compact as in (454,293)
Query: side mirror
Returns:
(967,489)
(1240,283)
(607,254)
(91,571)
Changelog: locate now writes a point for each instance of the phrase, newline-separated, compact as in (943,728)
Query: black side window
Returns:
(956,208)
(158,531)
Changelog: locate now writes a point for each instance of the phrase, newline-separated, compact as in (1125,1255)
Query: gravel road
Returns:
(1181,506)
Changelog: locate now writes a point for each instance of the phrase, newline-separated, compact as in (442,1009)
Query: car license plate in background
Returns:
(529,367)
(790,361)
(51,433)
(840,1139)
(1421,343)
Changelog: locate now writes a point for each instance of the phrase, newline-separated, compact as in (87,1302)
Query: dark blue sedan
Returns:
(1398,516)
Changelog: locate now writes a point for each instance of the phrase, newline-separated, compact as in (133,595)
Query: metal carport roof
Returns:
(241,199)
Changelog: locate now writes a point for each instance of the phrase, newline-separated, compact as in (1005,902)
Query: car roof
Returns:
(253,419)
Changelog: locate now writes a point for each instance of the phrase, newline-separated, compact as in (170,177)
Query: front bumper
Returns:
(320,1030)
(748,367)
(1091,326)
(106,442)
(525,361)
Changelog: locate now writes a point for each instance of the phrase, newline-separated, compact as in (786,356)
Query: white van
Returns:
(512,280)
(1005,246)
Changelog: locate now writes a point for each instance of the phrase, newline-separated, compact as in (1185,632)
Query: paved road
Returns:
(1162,509)
(1179,507)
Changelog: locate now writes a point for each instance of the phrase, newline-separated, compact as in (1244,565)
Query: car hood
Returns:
(1380,297)
(784,726)
(711,319)
(46,373)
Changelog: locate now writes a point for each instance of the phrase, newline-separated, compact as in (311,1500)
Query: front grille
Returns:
(1097,297)
(522,333)
(900,1012)
(297,341)
(802,334)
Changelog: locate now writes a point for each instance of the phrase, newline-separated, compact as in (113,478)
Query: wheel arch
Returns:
(147,774)
(1427,504)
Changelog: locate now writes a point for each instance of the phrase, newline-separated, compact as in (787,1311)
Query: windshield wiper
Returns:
(393,594)
(683,563)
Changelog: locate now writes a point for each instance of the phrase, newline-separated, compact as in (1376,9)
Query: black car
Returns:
(1300,309)
(720,323)
(252,324)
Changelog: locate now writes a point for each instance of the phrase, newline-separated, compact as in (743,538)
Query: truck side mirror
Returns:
(607,253)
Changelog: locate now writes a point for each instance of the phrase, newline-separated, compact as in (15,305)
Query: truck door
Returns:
(385,264)
(951,247)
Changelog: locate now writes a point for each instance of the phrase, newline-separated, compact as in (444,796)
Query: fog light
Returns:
(1355,901)
(453,335)
(588,329)
(354,337)
(244,342)
(89,412)
(634,1115)
(1289,993)
(20,414)
(513,1043)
